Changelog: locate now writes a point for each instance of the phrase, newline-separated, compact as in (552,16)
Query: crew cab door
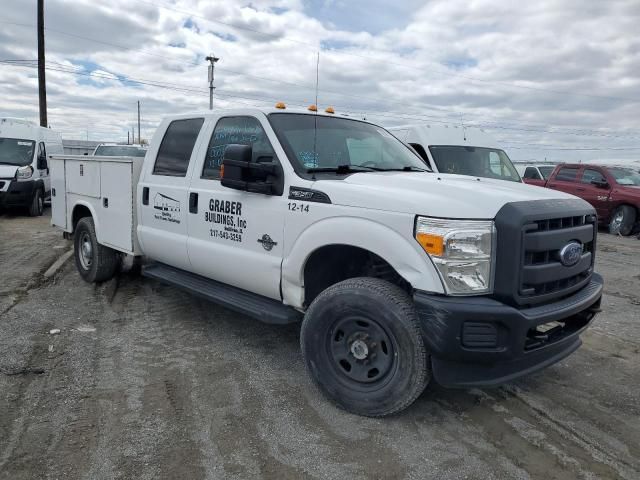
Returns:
(596,195)
(236,237)
(163,193)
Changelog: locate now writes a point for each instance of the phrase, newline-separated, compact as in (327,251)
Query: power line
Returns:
(200,93)
(484,124)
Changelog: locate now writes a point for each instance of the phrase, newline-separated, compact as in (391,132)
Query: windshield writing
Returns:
(337,143)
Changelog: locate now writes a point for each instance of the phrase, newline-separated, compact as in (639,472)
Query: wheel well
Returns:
(79,211)
(331,264)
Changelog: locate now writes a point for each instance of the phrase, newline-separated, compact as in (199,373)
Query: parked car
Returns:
(399,275)
(536,174)
(613,191)
(458,150)
(24,171)
(117,150)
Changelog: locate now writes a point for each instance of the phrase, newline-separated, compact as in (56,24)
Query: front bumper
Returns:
(479,341)
(18,194)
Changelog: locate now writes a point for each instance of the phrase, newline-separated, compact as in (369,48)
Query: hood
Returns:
(431,194)
(8,171)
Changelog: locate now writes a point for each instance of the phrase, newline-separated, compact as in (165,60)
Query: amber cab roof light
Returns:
(330,110)
(312,108)
(281,105)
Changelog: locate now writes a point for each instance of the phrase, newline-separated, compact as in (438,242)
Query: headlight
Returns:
(462,251)
(24,173)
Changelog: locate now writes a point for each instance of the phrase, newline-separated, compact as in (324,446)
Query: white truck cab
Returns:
(459,150)
(24,172)
(398,274)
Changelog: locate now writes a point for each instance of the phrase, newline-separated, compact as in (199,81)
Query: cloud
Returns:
(549,73)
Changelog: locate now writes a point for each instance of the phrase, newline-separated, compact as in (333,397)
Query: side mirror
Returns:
(239,173)
(600,184)
(42,162)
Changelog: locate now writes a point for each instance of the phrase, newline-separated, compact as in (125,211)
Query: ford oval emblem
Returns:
(571,254)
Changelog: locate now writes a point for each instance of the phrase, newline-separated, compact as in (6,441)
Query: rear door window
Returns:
(567,174)
(176,147)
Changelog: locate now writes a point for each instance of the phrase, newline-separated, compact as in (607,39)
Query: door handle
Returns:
(145,195)
(193,202)
(580,189)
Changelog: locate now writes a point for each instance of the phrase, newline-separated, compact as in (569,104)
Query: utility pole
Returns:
(212,61)
(139,138)
(42,84)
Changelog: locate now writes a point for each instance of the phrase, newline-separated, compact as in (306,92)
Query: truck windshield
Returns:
(329,144)
(474,161)
(14,151)
(120,151)
(625,176)
(546,171)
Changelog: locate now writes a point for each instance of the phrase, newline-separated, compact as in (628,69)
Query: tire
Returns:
(363,347)
(622,221)
(36,209)
(95,262)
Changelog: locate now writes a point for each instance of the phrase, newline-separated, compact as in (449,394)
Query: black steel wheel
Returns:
(363,347)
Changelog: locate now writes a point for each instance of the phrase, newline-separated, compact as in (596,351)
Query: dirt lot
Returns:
(147,382)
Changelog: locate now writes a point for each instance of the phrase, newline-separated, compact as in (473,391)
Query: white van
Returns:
(458,150)
(24,171)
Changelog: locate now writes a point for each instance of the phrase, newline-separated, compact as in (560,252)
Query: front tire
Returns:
(36,209)
(622,220)
(363,347)
(95,262)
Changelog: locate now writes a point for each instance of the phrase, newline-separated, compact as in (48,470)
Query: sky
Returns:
(556,80)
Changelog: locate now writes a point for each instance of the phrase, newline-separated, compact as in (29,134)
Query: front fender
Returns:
(403,254)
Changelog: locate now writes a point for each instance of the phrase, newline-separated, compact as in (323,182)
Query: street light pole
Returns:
(212,61)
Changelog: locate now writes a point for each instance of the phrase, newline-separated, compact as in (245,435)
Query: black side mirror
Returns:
(42,162)
(600,184)
(239,173)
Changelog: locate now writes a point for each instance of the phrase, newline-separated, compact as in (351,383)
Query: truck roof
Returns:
(256,110)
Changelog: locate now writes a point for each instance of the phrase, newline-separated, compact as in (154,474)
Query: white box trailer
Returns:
(104,187)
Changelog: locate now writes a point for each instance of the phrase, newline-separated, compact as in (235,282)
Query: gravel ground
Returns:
(144,381)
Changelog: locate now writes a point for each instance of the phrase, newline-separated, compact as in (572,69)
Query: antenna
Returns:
(315,118)
(464,129)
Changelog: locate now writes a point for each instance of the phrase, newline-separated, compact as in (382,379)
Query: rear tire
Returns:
(363,347)
(622,221)
(36,209)
(95,262)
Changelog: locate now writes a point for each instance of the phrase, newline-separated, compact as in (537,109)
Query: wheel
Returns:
(95,262)
(622,220)
(363,347)
(36,209)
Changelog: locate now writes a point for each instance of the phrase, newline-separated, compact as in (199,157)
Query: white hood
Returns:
(7,171)
(431,194)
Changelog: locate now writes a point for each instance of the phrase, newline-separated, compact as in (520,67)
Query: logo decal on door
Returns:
(267,242)
(168,208)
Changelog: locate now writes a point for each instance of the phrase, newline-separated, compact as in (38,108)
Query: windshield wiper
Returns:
(407,168)
(342,169)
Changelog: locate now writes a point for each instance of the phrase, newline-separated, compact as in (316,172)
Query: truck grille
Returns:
(531,272)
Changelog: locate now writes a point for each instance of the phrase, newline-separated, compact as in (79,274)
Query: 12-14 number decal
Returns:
(298,207)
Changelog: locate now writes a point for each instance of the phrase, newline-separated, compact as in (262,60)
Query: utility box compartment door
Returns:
(58,194)
(83,177)
(116,205)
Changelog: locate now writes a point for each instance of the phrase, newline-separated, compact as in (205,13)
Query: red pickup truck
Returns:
(613,191)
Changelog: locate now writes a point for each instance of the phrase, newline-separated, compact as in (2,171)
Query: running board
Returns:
(261,308)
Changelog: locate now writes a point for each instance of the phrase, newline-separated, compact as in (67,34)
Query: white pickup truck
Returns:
(398,274)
